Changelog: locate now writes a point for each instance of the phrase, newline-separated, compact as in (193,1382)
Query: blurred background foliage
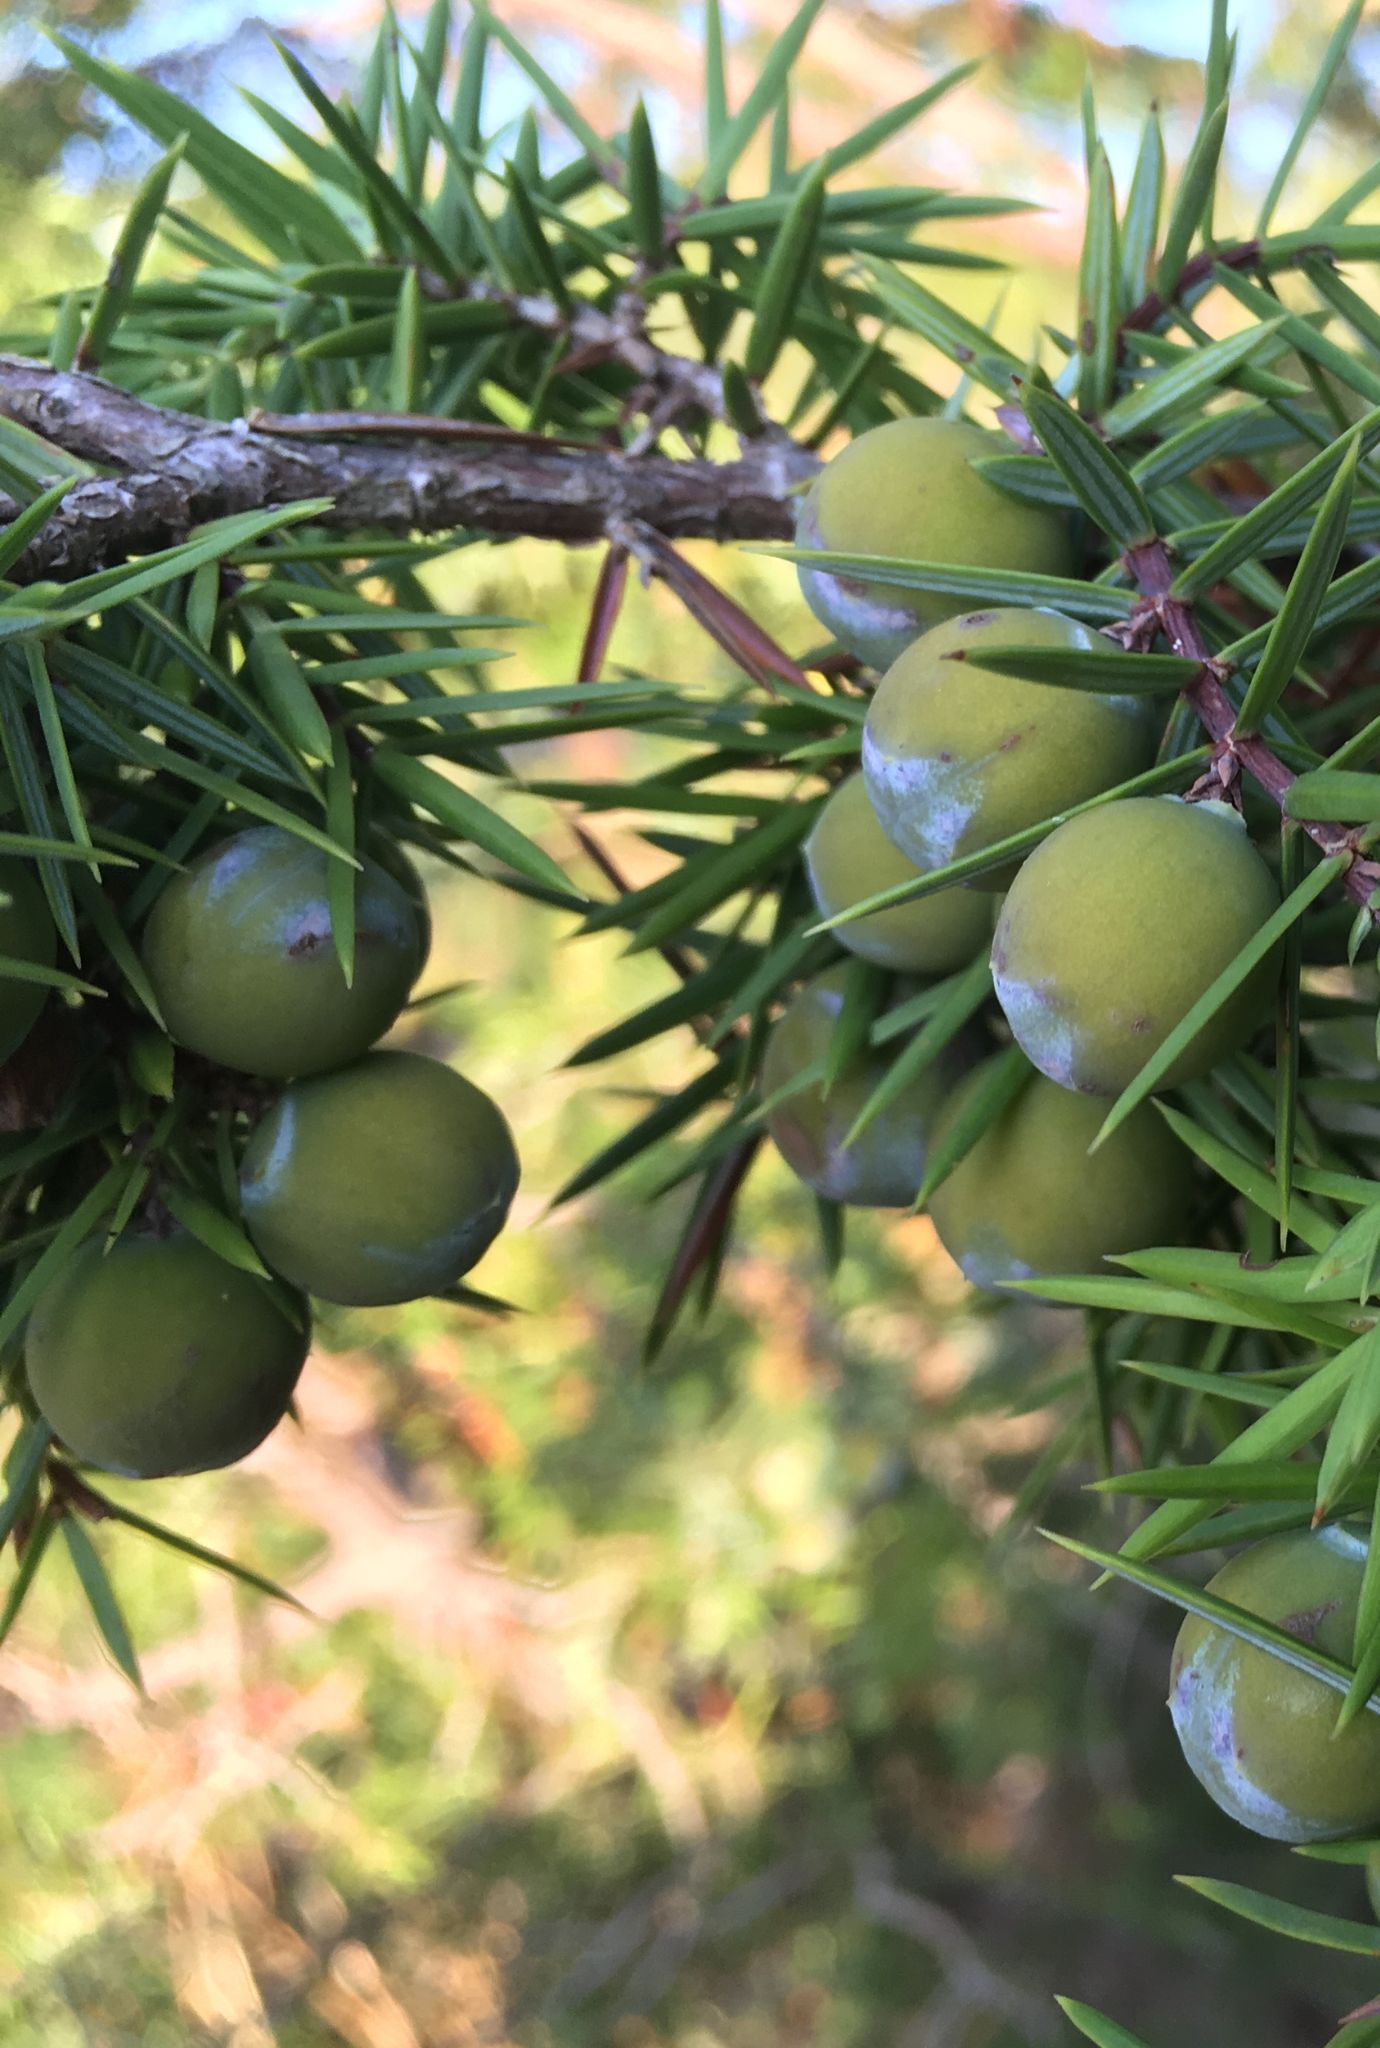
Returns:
(734,1705)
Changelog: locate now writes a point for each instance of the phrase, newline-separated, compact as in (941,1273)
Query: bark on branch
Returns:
(175,471)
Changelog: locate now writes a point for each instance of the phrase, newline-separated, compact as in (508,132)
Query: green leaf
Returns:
(1032,478)
(959,338)
(97,906)
(1219,1386)
(1093,668)
(125,744)
(405,372)
(1094,601)
(744,863)
(598,148)
(1355,1429)
(34,1551)
(963,996)
(665,1117)
(212,1227)
(864,986)
(880,130)
(466,816)
(1096,2027)
(75,1228)
(447,320)
(546,270)
(715,80)
(644,189)
(341,882)
(392,203)
(26,773)
(283,689)
(1255,1182)
(23,1465)
(112,300)
(1297,616)
(1140,225)
(737,131)
(1288,1042)
(1159,1295)
(698,997)
(788,266)
(1256,949)
(1238,1621)
(1336,50)
(1337,795)
(286,217)
(1192,201)
(117,1511)
(1263,1480)
(1365,1648)
(28,524)
(1256,528)
(1186,384)
(1099,292)
(1298,1923)
(55,742)
(1002,1082)
(1356,1245)
(1298,1418)
(1102,485)
(219,537)
(101,1598)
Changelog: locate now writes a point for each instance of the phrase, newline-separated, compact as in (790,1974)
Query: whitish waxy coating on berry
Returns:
(378,1183)
(1116,925)
(27,932)
(883,1168)
(908,490)
(956,757)
(241,952)
(1029,1199)
(157,1357)
(1257,1733)
(848,858)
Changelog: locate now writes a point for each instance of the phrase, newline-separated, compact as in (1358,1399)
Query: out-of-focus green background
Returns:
(731,1705)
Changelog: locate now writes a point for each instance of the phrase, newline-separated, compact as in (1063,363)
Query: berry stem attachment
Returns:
(1150,566)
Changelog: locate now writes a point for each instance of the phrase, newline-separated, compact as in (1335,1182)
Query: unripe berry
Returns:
(883,1168)
(1030,1199)
(1116,925)
(957,757)
(848,858)
(241,952)
(158,1357)
(908,490)
(1257,1733)
(378,1183)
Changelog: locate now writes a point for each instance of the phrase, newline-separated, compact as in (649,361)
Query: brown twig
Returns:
(177,471)
(1152,570)
(1198,269)
(705,1230)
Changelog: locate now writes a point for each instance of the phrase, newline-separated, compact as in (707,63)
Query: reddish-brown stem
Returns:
(704,1233)
(740,636)
(1150,565)
(1152,308)
(609,592)
(603,613)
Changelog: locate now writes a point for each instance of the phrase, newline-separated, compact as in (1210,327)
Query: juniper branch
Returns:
(175,471)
